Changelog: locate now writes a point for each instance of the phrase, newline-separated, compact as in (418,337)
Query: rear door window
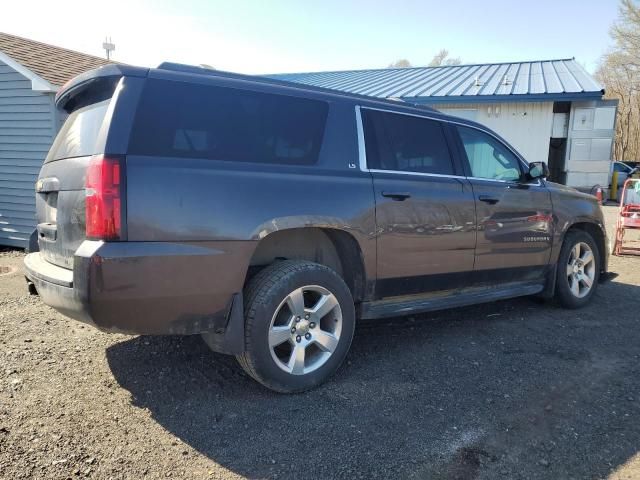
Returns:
(405,143)
(188,120)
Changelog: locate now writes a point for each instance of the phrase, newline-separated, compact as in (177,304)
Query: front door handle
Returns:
(489,199)
(399,196)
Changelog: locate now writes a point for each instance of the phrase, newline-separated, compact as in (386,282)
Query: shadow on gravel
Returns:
(511,389)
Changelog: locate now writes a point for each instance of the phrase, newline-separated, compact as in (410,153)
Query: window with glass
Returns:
(177,119)
(488,158)
(405,143)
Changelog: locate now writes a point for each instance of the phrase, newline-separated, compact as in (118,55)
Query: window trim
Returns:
(362,155)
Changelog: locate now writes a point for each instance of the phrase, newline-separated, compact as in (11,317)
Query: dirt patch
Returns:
(7,270)
(511,389)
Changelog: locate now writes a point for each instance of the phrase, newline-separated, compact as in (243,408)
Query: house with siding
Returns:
(30,75)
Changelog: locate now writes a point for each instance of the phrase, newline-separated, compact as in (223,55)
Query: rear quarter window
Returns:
(187,120)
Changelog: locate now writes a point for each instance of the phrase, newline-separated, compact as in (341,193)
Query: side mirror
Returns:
(538,170)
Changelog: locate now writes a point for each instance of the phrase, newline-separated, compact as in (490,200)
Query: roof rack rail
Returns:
(183,68)
(198,70)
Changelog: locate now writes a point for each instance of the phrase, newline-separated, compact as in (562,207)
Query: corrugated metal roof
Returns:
(536,80)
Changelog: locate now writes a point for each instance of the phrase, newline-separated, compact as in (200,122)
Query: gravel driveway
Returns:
(512,389)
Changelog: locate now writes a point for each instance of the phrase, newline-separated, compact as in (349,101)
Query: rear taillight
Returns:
(103,202)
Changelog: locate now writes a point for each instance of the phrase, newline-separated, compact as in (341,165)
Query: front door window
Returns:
(487,157)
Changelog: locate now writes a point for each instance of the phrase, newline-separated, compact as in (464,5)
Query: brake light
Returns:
(103,205)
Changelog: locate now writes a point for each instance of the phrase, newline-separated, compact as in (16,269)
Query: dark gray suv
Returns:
(268,216)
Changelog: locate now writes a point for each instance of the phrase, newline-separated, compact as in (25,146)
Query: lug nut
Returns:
(298,339)
(308,336)
(297,319)
(293,329)
(312,325)
(306,317)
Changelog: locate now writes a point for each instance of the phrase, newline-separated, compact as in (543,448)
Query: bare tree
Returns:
(402,63)
(619,72)
(443,58)
(626,31)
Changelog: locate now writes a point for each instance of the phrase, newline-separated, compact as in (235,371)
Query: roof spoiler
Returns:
(102,75)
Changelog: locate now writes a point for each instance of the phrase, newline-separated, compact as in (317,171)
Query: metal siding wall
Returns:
(26,133)
(526,126)
(590,143)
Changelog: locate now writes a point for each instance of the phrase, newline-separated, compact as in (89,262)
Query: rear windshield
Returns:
(177,119)
(78,135)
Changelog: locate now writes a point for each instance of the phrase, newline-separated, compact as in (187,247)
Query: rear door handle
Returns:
(399,196)
(489,199)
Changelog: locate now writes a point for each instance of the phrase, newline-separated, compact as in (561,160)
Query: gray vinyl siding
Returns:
(26,132)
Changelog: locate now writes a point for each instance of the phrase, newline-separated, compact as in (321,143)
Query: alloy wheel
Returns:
(581,270)
(305,329)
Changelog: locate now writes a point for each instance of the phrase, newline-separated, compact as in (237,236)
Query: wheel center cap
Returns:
(576,268)
(302,327)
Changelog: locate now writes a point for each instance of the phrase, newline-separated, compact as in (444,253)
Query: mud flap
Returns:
(549,283)
(230,338)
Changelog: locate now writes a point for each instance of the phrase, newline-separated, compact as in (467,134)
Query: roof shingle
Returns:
(56,65)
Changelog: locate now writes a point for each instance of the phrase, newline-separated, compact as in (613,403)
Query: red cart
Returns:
(628,218)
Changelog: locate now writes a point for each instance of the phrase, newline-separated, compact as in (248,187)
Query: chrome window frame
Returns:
(362,154)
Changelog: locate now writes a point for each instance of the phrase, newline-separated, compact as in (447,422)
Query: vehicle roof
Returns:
(196,73)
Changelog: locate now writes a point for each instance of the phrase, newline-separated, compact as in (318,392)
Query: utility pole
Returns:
(108,46)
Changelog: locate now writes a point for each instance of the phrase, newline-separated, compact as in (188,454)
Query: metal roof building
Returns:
(550,110)
(563,79)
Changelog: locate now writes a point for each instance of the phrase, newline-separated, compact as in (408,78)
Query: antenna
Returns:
(108,46)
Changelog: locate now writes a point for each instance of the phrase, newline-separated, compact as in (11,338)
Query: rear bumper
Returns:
(55,286)
(152,288)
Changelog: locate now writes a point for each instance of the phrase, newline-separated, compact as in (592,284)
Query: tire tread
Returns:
(257,292)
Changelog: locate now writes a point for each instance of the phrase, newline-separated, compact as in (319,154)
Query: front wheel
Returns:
(578,270)
(299,323)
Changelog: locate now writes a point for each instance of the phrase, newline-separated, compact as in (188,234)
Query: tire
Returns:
(572,281)
(279,303)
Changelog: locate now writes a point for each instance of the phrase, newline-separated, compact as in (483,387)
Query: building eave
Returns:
(38,84)
(542,97)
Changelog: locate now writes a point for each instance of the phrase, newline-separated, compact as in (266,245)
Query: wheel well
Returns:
(596,233)
(336,249)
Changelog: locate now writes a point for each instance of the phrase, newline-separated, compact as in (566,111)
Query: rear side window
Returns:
(187,120)
(78,135)
(405,143)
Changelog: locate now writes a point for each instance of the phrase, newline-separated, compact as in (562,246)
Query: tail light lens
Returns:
(103,200)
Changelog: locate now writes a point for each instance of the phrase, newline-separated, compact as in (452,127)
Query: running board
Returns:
(406,305)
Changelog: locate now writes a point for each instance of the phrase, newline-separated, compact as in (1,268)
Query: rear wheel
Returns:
(578,270)
(299,322)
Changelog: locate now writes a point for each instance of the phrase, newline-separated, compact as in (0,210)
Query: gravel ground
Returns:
(512,389)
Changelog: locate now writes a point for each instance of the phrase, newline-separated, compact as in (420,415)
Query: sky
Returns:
(279,36)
